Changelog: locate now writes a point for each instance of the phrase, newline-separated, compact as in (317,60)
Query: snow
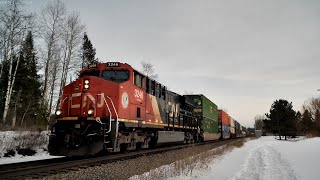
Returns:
(264,159)
(19,158)
(15,140)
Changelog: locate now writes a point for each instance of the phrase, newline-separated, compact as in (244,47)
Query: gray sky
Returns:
(242,54)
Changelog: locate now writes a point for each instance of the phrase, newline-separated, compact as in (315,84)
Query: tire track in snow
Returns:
(265,163)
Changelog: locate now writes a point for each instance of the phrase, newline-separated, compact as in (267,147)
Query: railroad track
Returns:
(43,168)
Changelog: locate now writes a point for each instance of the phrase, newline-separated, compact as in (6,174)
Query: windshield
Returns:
(116,75)
(90,73)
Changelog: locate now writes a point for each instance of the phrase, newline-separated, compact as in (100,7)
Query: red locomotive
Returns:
(113,107)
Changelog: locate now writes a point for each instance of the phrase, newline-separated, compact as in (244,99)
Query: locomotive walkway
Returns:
(43,168)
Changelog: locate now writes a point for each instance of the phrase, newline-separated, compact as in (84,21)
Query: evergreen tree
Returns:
(283,118)
(3,85)
(299,122)
(27,92)
(306,122)
(88,52)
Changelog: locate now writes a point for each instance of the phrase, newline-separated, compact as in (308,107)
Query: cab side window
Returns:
(163,91)
(153,88)
(148,85)
(138,80)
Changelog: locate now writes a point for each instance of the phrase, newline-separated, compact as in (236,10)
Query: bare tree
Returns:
(148,69)
(258,124)
(2,47)
(72,41)
(312,105)
(15,23)
(51,20)
(53,77)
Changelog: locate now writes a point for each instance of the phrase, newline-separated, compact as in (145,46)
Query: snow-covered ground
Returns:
(19,158)
(14,142)
(262,159)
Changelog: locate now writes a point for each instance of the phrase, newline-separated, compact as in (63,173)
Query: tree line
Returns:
(39,55)
(282,120)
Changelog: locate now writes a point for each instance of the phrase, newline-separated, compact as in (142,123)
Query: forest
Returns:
(39,54)
(283,120)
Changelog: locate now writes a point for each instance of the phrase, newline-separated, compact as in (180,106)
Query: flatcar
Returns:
(112,107)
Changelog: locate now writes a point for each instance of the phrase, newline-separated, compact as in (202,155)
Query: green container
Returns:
(206,112)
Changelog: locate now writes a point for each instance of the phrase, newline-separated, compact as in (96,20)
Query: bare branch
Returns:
(148,69)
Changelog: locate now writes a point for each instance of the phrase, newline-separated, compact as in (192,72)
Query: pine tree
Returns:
(306,122)
(299,122)
(283,118)
(27,90)
(88,52)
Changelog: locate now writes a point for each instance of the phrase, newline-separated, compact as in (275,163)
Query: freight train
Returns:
(112,107)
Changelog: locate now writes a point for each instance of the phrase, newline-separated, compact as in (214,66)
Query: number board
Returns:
(113,64)
(92,65)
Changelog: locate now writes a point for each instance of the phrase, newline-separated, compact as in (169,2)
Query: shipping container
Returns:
(224,118)
(231,120)
(237,126)
(226,129)
(207,114)
(232,127)
(226,132)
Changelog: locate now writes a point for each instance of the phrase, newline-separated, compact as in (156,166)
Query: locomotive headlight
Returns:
(86,84)
(59,112)
(90,112)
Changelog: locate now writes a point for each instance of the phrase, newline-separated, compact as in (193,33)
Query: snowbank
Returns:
(22,146)
(264,158)
(22,142)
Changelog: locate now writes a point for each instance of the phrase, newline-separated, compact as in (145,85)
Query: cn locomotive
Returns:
(112,107)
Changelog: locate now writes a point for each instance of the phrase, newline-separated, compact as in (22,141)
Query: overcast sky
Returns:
(242,54)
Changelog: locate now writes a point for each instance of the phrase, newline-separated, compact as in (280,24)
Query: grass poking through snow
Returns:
(188,167)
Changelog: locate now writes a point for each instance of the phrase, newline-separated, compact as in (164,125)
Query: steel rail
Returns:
(43,168)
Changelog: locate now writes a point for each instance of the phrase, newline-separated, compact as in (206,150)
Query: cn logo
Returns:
(138,94)
(87,96)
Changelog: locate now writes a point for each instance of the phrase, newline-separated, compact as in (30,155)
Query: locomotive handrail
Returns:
(61,103)
(113,106)
(109,130)
(117,117)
